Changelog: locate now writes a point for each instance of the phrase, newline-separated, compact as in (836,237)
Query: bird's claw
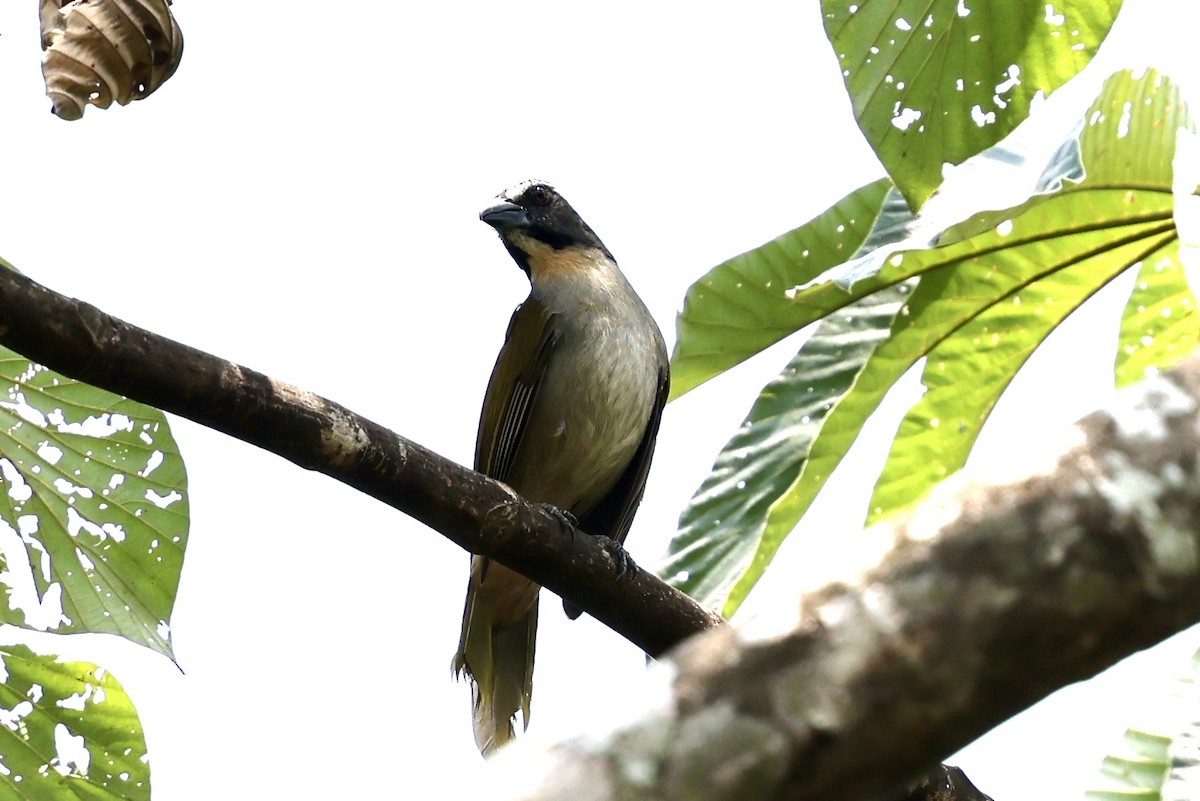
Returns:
(625,564)
(626,567)
(568,521)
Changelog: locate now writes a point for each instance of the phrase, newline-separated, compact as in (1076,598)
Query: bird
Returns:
(569,421)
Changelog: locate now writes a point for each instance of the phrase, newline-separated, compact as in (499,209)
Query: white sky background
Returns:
(302,197)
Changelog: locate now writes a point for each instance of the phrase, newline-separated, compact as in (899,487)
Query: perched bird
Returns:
(569,420)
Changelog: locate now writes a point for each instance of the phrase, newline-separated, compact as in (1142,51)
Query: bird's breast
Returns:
(591,412)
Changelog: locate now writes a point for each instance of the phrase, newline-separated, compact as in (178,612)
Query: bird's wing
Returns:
(513,388)
(613,516)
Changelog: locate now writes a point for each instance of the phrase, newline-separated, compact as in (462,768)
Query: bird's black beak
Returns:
(505,215)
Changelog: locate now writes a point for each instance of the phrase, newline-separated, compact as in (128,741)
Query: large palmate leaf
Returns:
(93,513)
(1127,145)
(67,731)
(982,305)
(937,81)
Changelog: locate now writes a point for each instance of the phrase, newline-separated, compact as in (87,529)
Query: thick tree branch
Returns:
(479,514)
(982,600)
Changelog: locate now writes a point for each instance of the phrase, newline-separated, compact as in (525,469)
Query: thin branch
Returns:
(479,514)
(969,608)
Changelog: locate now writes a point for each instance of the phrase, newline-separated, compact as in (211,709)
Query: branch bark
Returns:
(977,603)
(479,514)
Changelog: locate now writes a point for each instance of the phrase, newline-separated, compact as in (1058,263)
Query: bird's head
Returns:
(540,228)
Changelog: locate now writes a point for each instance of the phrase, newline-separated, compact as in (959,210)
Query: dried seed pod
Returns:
(98,51)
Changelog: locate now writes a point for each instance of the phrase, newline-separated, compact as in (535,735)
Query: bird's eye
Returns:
(539,195)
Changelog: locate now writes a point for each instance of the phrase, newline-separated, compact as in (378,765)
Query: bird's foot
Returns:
(568,521)
(625,564)
(626,567)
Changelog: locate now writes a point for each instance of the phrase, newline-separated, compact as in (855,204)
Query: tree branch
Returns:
(972,606)
(479,514)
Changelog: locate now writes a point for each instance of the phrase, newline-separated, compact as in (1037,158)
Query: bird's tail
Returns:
(495,652)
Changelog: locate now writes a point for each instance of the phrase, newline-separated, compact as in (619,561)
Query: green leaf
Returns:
(1159,325)
(983,304)
(929,318)
(69,732)
(937,81)
(1047,239)
(93,508)
(1127,147)
(1122,795)
(766,454)
(985,318)
(1131,130)
(1158,753)
(747,303)
(1140,773)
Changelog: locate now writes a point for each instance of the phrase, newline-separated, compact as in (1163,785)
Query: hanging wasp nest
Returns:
(98,51)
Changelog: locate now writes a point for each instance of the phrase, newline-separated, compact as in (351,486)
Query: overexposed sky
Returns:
(302,197)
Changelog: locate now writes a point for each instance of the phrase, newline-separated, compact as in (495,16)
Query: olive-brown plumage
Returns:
(569,419)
